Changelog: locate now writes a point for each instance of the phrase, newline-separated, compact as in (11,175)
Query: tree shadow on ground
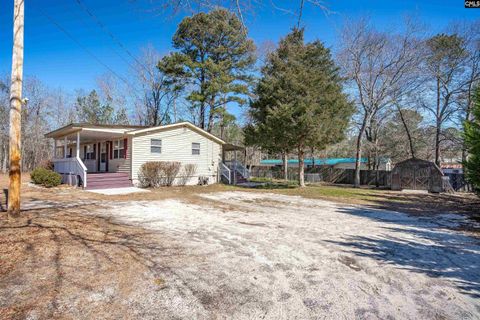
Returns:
(420,246)
(53,258)
(430,203)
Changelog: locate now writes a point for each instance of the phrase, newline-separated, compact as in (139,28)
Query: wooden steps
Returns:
(108,180)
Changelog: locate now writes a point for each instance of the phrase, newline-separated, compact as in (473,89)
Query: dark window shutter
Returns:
(111,149)
(84,152)
(94,151)
(125,146)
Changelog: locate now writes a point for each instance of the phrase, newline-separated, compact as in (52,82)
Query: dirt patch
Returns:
(59,261)
(215,252)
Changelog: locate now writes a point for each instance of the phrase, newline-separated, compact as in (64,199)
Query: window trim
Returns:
(90,154)
(194,149)
(155,146)
(118,146)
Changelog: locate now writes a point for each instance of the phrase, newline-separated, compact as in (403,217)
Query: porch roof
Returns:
(232,147)
(92,131)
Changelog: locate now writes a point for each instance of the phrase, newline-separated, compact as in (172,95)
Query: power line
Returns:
(111,35)
(71,37)
(83,21)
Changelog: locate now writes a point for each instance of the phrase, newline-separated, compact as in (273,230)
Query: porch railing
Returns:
(73,166)
(238,167)
(225,172)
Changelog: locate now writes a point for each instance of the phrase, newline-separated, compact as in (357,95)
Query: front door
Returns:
(103,156)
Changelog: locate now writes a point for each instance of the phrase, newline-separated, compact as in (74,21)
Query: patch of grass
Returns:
(344,194)
(277,185)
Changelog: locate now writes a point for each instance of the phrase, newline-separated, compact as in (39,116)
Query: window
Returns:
(195,148)
(89,152)
(155,146)
(118,149)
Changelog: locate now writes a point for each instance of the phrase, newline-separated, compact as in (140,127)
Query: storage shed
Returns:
(417,174)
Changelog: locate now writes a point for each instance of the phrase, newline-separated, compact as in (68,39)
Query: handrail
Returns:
(239,167)
(225,171)
(73,165)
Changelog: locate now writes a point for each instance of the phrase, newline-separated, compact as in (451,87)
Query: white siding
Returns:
(177,146)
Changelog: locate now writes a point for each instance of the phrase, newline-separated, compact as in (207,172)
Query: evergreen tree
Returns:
(121,116)
(91,110)
(214,58)
(300,102)
(472,142)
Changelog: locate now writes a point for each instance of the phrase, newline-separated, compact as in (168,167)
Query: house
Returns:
(105,156)
(335,163)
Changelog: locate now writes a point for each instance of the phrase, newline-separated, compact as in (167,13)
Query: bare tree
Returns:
(159,92)
(449,63)
(377,63)
(469,32)
(241,8)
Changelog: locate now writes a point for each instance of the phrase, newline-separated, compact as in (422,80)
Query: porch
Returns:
(231,170)
(92,156)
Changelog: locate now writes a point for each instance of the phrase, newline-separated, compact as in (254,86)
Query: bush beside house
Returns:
(45,177)
(164,173)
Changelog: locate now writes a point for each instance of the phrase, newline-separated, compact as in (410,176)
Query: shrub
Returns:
(158,173)
(149,174)
(45,177)
(187,172)
(170,172)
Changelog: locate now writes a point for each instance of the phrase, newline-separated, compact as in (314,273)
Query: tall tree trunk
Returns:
(437,142)
(468,112)
(285,165)
(313,159)
(358,155)
(407,130)
(438,126)
(377,164)
(301,169)
(15,111)
(175,119)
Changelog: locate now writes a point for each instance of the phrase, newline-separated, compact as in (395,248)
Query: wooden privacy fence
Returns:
(327,174)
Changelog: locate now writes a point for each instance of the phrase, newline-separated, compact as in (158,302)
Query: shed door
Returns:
(422,178)
(407,179)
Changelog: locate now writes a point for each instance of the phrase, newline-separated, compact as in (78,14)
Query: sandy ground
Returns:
(243,255)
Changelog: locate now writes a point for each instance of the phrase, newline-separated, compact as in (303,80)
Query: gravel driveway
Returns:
(257,255)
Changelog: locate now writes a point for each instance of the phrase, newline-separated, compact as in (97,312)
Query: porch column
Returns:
(54,148)
(235,167)
(78,144)
(65,147)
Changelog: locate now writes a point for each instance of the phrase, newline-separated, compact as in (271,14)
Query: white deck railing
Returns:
(73,166)
(239,167)
(225,172)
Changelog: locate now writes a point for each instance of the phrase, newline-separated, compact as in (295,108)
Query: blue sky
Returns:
(59,62)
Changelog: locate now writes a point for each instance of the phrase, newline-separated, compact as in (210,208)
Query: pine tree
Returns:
(472,142)
(91,110)
(214,59)
(300,102)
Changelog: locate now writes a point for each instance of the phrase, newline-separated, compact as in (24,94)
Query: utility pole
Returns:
(15,111)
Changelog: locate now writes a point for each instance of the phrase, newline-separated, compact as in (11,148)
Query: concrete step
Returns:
(104,175)
(108,185)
